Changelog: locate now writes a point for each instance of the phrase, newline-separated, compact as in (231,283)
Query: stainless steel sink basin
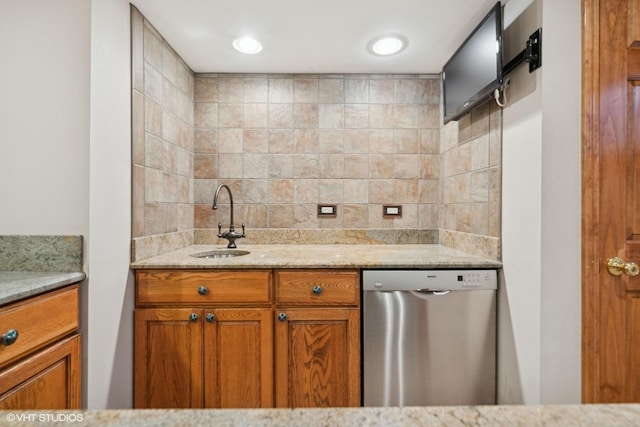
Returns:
(220,253)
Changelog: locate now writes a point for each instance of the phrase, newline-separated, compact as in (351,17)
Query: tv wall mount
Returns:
(532,54)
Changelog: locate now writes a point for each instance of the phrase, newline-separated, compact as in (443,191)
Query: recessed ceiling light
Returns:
(247,45)
(387,45)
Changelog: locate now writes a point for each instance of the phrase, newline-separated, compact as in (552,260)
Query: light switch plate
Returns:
(327,210)
(391,211)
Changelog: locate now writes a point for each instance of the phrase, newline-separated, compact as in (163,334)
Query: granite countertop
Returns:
(322,256)
(17,285)
(477,416)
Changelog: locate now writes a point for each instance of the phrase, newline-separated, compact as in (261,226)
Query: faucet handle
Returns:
(219,229)
(243,235)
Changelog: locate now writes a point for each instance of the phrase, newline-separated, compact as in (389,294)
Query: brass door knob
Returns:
(617,266)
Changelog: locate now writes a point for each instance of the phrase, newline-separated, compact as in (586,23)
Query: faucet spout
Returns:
(215,199)
(231,235)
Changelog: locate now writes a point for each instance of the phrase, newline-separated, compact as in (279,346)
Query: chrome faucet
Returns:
(231,235)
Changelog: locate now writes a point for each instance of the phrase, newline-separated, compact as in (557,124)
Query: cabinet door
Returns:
(50,379)
(168,358)
(317,357)
(238,358)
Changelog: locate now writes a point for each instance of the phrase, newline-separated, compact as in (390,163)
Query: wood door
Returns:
(611,200)
(317,357)
(168,358)
(49,379)
(238,358)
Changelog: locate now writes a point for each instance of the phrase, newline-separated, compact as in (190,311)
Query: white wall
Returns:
(44,117)
(65,161)
(110,302)
(539,331)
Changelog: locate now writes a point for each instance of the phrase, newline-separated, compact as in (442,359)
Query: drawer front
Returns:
(341,287)
(38,321)
(175,287)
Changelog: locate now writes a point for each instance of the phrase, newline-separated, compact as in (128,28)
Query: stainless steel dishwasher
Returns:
(429,337)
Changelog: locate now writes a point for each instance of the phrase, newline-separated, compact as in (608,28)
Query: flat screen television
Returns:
(475,69)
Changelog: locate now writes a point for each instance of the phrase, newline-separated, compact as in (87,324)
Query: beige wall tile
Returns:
(381,141)
(280,116)
(405,116)
(381,166)
(305,191)
(306,166)
(230,90)
(305,90)
(381,191)
(280,191)
(230,140)
(256,89)
(255,141)
(356,91)
(331,91)
(256,115)
(331,165)
(356,191)
(152,48)
(406,141)
(381,116)
(381,91)
(280,216)
(230,115)
(331,141)
(356,140)
(280,90)
(331,116)
(281,141)
(206,141)
(306,140)
(406,91)
(305,116)
(356,216)
(206,89)
(256,166)
(356,116)
(406,166)
(356,165)
(206,115)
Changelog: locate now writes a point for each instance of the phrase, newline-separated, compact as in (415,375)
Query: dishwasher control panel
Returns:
(411,280)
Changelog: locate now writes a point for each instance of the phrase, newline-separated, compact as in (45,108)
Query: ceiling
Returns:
(314,36)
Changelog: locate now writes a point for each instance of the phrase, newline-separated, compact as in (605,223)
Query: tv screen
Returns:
(475,70)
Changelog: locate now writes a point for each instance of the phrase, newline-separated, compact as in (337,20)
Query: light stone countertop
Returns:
(322,256)
(449,416)
(17,285)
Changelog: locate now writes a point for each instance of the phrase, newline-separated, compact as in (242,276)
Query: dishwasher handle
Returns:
(425,293)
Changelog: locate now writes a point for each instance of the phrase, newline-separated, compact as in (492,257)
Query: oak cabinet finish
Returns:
(215,347)
(216,353)
(41,369)
(317,338)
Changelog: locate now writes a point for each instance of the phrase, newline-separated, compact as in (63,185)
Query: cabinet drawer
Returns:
(38,321)
(177,287)
(340,287)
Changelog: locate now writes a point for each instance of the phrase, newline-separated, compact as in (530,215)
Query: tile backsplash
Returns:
(285,143)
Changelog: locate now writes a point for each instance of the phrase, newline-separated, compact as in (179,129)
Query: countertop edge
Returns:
(16,286)
(410,256)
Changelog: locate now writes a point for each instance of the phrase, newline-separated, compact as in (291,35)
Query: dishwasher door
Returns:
(429,347)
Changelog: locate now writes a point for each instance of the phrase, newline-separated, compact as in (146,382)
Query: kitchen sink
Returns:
(220,253)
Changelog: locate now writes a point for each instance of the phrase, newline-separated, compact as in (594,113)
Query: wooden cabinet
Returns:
(317,343)
(207,338)
(41,368)
(217,353)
